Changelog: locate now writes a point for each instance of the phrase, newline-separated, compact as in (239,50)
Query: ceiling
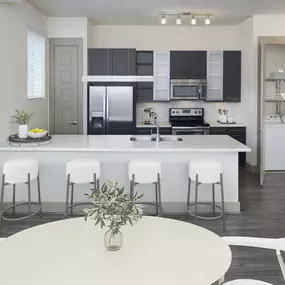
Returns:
(145,12)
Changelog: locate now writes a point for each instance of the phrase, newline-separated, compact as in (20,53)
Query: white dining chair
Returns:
(277,244)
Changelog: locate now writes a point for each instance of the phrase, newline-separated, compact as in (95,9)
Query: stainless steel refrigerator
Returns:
(111,110)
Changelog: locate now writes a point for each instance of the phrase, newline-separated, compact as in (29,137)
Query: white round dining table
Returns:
(155,251)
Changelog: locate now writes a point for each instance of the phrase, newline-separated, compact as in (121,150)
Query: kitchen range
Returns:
(188,121)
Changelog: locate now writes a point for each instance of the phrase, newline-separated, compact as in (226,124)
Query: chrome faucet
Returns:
(157,126)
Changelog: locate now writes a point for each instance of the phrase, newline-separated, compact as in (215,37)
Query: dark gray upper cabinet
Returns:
(123,61)
(232,76)
(98,61)
(112,62)
(188,64)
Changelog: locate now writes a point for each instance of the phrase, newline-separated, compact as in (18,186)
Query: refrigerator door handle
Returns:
(107,111)
(104,111)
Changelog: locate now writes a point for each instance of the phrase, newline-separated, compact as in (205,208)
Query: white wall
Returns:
(14,21)
(248,106)
(73,28)
(166,37)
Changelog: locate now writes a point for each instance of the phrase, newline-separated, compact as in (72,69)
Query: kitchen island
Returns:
(115,152)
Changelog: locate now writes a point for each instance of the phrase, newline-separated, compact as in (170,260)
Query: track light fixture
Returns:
(194,17)
(178,20)
(207,21)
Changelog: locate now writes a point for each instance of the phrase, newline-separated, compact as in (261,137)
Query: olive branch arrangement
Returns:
(22,117)
(113,208)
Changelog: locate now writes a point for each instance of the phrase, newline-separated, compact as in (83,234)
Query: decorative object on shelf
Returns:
(278,77)
(179,16)
(113,209)
(22,118)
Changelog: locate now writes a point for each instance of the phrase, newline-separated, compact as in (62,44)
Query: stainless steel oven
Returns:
(188,89)
(180,131)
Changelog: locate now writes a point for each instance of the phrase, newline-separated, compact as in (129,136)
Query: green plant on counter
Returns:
(22,117)
(113,208)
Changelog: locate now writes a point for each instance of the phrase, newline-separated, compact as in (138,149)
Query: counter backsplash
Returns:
(211,113)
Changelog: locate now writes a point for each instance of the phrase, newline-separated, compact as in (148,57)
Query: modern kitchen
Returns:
(162,122)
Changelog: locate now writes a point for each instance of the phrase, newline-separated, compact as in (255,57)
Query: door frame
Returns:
(65,42)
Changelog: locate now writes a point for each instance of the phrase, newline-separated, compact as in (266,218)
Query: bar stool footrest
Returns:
(18,205)
(203,217)
(78,204)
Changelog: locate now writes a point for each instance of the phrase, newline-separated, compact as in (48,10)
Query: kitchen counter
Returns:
(122,143)
(216,124)
(161,125)
(212,124)
(115,153)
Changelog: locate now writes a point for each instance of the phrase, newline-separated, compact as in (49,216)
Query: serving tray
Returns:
(14,140)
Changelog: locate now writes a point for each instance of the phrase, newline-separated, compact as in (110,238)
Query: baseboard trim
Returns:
(168,208)
(252,168)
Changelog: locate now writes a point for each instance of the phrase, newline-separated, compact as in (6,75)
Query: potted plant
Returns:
(113,209)
(22,118)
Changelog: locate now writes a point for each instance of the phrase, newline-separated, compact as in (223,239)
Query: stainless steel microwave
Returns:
(188,89)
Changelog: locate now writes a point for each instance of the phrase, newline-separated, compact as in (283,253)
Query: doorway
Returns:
(65,100)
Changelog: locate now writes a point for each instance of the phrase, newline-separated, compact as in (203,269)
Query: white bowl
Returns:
(36,135)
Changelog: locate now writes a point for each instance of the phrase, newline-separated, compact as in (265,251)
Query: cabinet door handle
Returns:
(73,123)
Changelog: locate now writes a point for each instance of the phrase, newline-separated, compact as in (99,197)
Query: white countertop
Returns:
(161,125)
(122,143)
(216,124)
(212,124)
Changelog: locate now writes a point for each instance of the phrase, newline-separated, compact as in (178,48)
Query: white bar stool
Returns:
(15,172)
(206,172)
(146,172)
(81,171)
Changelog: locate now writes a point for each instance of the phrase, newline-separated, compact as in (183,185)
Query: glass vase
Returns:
(113,240)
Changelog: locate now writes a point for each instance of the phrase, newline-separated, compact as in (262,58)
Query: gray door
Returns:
(66,99)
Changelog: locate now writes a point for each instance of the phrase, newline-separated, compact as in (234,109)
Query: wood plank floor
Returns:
(263,215)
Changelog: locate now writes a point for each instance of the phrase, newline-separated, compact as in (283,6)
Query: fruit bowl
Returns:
(36,133)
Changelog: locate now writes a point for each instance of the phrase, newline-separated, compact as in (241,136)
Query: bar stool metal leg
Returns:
(98,184)
(29,197)
(223,203)
(95,182)
(132,186)
(156,199)
(67,196)
(14,198)
(2,198)
(39,194)
(196,197)
(189,189)
(72,198)
(159,194)
(214,208)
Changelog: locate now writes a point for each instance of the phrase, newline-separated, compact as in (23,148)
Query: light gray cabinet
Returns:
(161,76)
(215,76)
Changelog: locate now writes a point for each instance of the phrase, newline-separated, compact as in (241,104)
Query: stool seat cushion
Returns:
(83,170)
(246,282)
(17,170)
(145,171)
(208,171)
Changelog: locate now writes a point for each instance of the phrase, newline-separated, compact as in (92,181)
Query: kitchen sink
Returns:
(153,139)
(171,139)
(142,139)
